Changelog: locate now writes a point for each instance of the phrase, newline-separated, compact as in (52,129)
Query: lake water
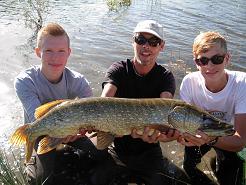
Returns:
(100,36)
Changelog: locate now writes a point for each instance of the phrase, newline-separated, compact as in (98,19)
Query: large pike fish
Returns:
(113,116)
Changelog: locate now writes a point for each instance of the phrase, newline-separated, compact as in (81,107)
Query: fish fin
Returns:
(43,109)
(20,137)
(104,139)
(29,150)
(47,144)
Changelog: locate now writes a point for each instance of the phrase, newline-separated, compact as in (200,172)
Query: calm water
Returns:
(100,36)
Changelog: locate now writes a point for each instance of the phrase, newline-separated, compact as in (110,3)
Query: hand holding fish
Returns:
(169,135)
(148,135)
(195,140)
(153,136)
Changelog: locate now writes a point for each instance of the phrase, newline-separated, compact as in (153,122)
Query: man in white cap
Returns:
(140,77)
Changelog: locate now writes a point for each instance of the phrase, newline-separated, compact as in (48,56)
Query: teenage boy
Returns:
(223,93)
(50,81)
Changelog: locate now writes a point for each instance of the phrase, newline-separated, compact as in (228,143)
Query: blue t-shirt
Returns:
(33,89)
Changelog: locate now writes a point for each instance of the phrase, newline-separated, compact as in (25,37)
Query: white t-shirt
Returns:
(224,104)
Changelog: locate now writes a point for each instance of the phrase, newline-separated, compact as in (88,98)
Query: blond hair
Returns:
(52,29)
(205,41)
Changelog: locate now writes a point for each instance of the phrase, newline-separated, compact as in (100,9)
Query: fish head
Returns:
(215,127)
(189,119)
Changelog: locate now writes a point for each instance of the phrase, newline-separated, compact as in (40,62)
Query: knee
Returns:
(33,176)
(38,169)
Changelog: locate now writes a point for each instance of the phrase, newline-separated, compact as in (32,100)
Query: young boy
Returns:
(50,81)
(223,94)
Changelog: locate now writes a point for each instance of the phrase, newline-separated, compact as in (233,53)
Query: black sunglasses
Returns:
(216,59)
(141,40)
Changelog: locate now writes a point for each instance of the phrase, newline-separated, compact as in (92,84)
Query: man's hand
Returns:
(169,135)
(153,136)
(148,135)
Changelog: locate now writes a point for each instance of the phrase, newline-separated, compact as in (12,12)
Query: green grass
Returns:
(11,169)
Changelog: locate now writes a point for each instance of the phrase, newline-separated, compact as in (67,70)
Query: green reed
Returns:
(11,169)
(115,5)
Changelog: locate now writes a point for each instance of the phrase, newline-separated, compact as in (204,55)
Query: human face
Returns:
(213,72)
(54,52)
(145,54)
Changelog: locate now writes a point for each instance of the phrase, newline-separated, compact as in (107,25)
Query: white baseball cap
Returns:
(150,26)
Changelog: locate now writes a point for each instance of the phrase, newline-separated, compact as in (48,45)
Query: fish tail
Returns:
(20,136)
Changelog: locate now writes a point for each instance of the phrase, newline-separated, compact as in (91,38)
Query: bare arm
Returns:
(166,94)
(236,142)
(109,90)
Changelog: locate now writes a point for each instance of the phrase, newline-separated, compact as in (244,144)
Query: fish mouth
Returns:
(215,127)
(218,132)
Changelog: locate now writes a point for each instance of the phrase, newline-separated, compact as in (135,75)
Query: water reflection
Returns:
(4,89)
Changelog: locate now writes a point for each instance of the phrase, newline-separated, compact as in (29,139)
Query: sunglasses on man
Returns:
(216,59)
(141,40)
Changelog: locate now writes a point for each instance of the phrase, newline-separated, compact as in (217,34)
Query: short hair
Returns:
(52,29)
(206,40)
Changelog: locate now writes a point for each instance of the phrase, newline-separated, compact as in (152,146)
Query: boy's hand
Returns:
(194,140)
